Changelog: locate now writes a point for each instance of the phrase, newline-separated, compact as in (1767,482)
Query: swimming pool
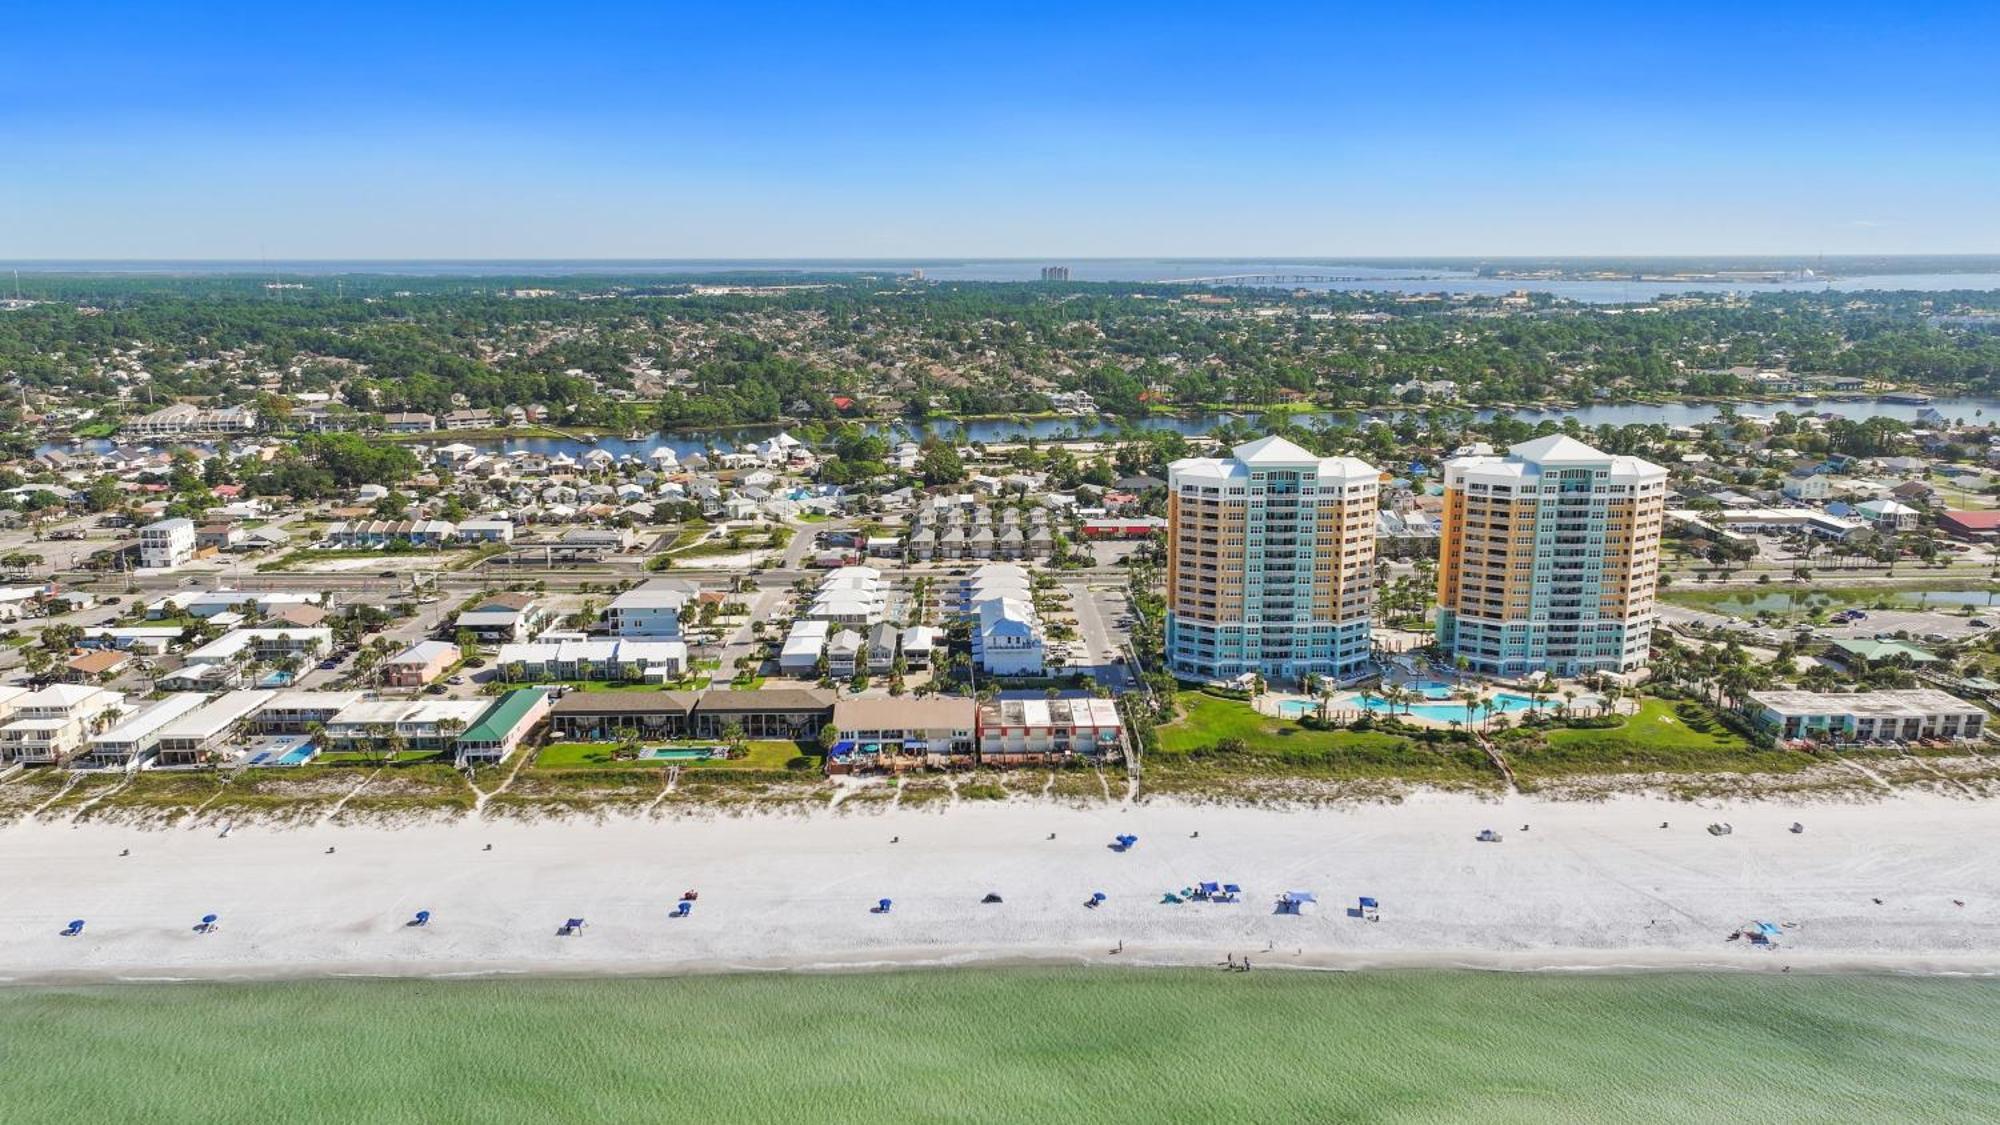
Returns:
(686,753)
(1504,703)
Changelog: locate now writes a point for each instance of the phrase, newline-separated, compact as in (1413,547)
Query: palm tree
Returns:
(1486,709)
(1569,698)
(1471,701)
(448,730)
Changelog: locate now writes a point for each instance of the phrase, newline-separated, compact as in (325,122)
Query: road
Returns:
(1098,639)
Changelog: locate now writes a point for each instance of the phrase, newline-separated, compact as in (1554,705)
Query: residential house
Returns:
(503,618)
(419,664)
(493,738)
(651,610)
(47,727)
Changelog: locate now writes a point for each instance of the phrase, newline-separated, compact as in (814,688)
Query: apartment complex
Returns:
(1270,562)
(1549,558)
(166,544)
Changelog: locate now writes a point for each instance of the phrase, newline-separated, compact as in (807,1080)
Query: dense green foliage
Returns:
(619,351)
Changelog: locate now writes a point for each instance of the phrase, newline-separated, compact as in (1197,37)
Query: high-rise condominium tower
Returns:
(1270,562)
(1549,558)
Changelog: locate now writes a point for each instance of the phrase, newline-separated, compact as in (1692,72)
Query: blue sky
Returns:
(775,130)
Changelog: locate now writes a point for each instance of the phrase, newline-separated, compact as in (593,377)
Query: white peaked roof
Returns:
(1557,449)
(1273,450)
(1269,452)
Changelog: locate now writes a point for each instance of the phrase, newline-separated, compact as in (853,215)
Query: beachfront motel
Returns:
(1871,716)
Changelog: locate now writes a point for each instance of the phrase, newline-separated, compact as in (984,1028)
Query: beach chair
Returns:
(1096,900)
(689,896)
(571,928)
(1171,899)
(683,908)
(74,928)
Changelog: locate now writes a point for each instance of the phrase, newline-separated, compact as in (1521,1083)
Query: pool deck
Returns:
(1345,706)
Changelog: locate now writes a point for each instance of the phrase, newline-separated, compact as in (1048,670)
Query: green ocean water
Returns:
(1011,1045)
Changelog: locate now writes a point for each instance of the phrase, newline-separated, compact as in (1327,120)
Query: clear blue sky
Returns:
(772,130)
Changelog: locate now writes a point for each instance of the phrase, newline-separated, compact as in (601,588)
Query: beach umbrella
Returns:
(1097,896)
(75,928)
(1370,904)
(423,918)
(882,907)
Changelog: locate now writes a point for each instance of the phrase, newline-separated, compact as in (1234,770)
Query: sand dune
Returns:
(1589,886)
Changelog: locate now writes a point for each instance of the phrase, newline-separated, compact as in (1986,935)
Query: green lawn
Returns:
(1664,736)
(368,758)
(1284,747)
(763,754)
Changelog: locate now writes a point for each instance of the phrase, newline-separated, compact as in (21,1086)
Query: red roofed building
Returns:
(1979,527)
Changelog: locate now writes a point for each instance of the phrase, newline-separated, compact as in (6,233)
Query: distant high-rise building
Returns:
(1549,558)
(1270,562)
(1055,273)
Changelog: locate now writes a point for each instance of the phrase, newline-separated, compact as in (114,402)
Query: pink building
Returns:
(419,664)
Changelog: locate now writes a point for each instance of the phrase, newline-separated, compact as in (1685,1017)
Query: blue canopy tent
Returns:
(1369,910)
(1096,900)
(1230,891)
(571,928)
(1207,890)
(882,907)
(1295,902)
(1765,933)
(683,908)
(1124,843)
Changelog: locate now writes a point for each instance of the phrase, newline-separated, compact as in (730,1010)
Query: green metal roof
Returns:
(502,716)
(1885,649)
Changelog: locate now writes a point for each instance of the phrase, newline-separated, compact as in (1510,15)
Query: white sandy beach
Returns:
(1590,886)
